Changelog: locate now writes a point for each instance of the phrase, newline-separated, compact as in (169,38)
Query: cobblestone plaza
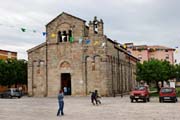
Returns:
(80,108)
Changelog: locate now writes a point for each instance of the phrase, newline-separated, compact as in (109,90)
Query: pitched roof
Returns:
(36,47)
(8,51)
(66,14)
(160,47)
(121,48)
(152,47)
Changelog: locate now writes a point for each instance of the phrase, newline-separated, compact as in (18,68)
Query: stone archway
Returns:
(65,65)
(66,83)
(65,77)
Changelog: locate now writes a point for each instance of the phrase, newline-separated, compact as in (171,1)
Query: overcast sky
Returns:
(150,22)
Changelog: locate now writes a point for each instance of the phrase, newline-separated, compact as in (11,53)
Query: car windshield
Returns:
(140,88)
(166,90)
(16,90)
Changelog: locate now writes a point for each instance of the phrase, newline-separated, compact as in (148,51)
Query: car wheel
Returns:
(132,100)
(148,99)
(145,99)
(160,100)
(1,96)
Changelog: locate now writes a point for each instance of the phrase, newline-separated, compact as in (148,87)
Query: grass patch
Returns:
(154,94)
(178,91)
(153,89)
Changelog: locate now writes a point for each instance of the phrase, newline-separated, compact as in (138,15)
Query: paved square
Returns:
(80,108)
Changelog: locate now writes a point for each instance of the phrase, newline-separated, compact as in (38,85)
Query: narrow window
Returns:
(139,56)
(167,56)
(70,33)
(59,36)
(96,27)
(64,36)
(93,66)
(152,56)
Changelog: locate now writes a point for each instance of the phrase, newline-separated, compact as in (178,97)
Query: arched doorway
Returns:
(66,83)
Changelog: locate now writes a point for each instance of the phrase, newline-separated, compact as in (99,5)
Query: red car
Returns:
(141,93)
(167,94)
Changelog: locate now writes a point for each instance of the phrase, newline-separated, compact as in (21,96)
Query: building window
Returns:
(167,56)
(152,56)
(139,56)
(59,36)
(166,50)
(64,36)
(9,54)
(96,27)
(93,66)
(69,34)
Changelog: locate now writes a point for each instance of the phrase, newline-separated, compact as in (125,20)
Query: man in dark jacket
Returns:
(94,97)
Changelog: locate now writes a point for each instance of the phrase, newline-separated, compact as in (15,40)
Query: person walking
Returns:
(61,103)
(95,97)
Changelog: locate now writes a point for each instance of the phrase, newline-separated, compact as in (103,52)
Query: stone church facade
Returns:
(79,58)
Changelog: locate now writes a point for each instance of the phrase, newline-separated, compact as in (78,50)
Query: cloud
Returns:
(139,21)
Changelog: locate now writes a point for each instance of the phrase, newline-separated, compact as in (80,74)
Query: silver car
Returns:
(10,93)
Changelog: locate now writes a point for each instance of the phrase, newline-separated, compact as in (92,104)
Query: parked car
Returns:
(10,93)
(167,94)
(140,93)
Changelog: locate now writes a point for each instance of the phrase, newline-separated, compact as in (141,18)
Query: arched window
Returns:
(70,33)
(64,36)
(96,27)
(59,36)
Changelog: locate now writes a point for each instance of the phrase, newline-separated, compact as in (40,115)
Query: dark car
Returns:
(10,93)
(140,93)
(167,94)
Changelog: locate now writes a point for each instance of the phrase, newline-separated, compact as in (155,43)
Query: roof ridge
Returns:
(66,14)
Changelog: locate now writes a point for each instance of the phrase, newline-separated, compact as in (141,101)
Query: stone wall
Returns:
(94,65)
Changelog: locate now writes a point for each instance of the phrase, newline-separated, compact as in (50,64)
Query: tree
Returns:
(155,71)
(13,72)
(177,71)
